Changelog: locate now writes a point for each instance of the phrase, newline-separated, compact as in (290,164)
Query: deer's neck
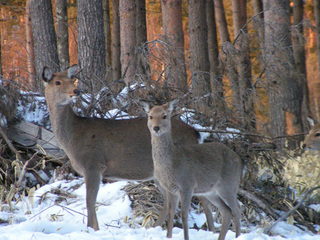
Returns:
(162,149)
(62,120)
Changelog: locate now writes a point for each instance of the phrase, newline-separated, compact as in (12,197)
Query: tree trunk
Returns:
(44,37)
(143,68)
(175,74)
(128,40)
(239,12)
(300,59)
(29,48)
(116,63)
(225,44)
(213,51)
(199,59)
(258,21)
(285,94)
(62,33)
(91,44)
(107,33)
(316,7)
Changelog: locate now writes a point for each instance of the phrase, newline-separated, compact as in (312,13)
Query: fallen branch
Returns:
(267,229)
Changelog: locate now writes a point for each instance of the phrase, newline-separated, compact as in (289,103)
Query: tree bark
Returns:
(143,68)
(62,33)
(300,59)
(239,10)
(316,7)
(107,33)
(175,75)
(225,44)
(44,37)
(199,59)
(213,51)
(29,48)
(128,40)
(91,44)
(285,95)
(116,63)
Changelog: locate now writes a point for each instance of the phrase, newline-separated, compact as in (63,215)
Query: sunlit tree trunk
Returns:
(176,76)
(316,7)
(44,37)
(107,33)
(29,48)
(127,11)
(62,33)
(91,44)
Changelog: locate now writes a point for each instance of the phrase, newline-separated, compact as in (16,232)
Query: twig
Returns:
(266,230)
(24,171)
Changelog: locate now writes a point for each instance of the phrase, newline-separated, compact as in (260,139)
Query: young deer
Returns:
(312,140)
(211,171)
(113,149)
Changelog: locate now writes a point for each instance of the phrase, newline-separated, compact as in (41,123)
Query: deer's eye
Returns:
(164,117)
(58,83)
(150,117)
(317,135)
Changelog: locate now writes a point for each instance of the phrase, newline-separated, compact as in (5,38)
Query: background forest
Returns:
(247,68)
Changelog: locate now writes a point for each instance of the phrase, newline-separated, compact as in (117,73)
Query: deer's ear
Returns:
(145,105)
(72,71)
(172,104)
(47,74)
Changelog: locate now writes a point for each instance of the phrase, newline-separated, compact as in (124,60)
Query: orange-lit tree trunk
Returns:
(175,74)
(127,12)
(29,47)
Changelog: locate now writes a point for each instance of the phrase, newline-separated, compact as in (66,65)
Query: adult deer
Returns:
(312,140)
(97,148)
(212,171)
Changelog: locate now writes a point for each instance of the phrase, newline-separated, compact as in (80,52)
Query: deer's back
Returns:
(119,149)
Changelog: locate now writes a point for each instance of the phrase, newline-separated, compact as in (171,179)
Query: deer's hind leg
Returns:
(92,180)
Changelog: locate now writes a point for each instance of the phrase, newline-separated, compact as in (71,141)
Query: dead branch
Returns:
(267,230)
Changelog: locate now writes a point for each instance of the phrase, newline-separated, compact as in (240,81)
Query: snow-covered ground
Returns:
(52,216)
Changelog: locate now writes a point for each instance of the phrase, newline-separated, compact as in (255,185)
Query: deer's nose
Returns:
(76,92)
(156,128)
(304,146)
